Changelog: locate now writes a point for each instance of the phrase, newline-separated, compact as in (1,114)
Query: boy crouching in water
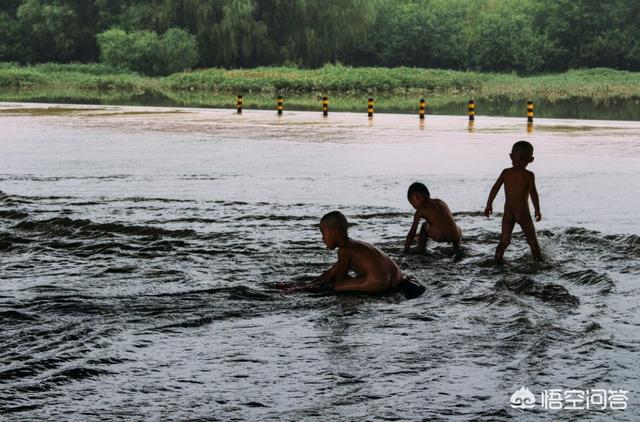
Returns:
(439,223)
(374,271)
(519,184)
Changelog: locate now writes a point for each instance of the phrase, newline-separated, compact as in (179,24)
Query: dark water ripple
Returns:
(174,306)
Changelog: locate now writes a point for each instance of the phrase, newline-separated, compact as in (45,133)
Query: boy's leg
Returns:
(532,239)
(458,241)
(410,287)
(456,245)
(423,238)
(360,284)
(505,237)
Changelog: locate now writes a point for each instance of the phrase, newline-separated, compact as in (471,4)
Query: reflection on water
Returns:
(572,108)
(138,254)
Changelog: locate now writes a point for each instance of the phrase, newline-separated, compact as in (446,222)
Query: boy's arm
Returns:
(412,231)
(326,277)
(535,199)
(488,210)
(342,266)
(337,272)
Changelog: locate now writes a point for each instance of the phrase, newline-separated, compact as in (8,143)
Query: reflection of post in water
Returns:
(239,104)
(325,106)
(421,124)
(471,127)
(370,107)
(529,127)
(280,105)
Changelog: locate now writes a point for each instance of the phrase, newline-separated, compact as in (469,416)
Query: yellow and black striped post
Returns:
(529,111)
(325,106)
(471,110)
(239,104)
(421,109)
(280,105)
(370,107)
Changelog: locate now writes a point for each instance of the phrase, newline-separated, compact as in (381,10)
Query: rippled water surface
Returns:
(139,247)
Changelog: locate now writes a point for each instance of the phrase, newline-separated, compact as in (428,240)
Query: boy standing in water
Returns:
(519,184)
(374,271)
(439,225)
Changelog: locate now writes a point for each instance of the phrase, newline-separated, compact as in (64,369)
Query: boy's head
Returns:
(417,193)
(334,228)
(521,153)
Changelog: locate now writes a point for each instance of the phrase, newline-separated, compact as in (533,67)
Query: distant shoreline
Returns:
(394,89)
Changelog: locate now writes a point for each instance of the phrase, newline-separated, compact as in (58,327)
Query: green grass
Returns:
(395,89)
(336,79)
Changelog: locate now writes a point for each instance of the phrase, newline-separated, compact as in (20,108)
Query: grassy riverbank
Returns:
(395,89)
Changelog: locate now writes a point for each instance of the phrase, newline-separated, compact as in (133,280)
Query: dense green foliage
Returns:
(164,36)
(145,51)
(594,84)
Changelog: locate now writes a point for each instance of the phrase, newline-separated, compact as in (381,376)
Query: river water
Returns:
(139,248)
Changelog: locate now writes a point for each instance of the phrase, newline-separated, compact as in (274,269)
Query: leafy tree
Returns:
(313,32)
(237,33)
(504,40)
(146,52)
(178,50)
(450,34)
(88,24)
(588,33)
(498,35)
(51,30)
(9,6)
(9,38)
(425,33)
(133,50)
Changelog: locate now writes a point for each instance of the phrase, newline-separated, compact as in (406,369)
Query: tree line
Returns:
(163,36)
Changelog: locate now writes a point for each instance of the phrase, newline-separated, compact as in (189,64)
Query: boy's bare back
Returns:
(374,271)
(518,186)
(442,226)
(439,225)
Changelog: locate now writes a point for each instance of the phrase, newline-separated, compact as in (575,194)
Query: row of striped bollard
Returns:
(280,105)
(239,104)
(529,116)
(471,111)
(422,105)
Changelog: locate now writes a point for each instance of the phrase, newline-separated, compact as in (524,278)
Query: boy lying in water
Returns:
(374,271)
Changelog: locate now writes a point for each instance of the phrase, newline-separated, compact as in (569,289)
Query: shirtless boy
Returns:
(439,225)
(374,271)
(519,184)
